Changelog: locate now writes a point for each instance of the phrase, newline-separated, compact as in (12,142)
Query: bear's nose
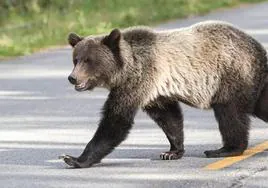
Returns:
(72,80)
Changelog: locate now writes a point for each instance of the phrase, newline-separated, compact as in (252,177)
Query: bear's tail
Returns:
(261,108)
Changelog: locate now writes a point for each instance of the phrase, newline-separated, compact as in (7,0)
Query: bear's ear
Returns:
(113,39)
(73,39)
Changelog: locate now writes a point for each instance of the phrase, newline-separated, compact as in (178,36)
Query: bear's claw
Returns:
(171,155)
(71,161)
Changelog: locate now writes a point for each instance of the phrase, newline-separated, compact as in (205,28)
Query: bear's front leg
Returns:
(168,115)
(118,115)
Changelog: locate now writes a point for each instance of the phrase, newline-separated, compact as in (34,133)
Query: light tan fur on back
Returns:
(203,64)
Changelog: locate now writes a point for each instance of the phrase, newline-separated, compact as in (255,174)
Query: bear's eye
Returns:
(88,60)
(75,61)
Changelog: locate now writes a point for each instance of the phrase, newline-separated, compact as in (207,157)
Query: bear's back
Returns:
(209,62)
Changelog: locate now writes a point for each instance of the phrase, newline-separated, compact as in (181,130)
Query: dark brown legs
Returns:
(234,128)
(167,114)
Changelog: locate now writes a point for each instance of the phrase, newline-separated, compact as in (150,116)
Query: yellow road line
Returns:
(228,161)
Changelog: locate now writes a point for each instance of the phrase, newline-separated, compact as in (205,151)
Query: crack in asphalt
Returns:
(240,181)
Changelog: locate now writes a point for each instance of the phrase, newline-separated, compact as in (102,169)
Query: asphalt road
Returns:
(42,117)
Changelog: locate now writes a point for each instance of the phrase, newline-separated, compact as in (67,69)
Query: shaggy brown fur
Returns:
(208,65)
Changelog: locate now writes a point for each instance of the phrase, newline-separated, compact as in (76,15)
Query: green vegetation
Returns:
(30,25)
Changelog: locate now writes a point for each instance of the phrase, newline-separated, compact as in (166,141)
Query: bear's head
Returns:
(96,60)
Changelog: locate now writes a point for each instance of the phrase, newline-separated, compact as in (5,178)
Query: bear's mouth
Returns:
(85,86)
(80,87)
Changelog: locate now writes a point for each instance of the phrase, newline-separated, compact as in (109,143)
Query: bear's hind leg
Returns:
(234,128)
(167,114)
(261,109)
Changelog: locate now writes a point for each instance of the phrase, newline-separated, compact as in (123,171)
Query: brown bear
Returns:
(209,65)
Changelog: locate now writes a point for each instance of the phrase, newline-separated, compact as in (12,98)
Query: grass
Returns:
(30,25)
